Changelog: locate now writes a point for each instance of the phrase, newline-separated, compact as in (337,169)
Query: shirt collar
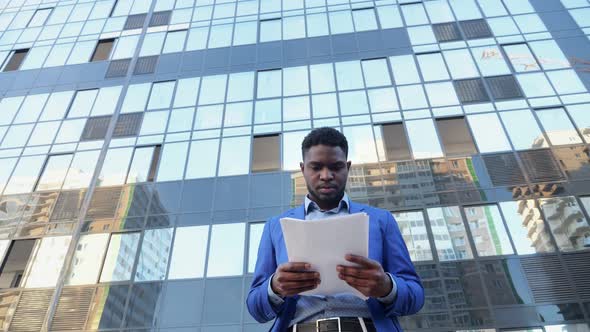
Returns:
(310,205)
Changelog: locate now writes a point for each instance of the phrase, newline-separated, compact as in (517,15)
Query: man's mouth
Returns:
(327,190)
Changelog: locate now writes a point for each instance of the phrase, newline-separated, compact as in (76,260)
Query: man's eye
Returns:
(316,168)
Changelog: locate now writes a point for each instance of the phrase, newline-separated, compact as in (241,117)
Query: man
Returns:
(387,276)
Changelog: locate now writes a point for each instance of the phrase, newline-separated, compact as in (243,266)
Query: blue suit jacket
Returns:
(385,246)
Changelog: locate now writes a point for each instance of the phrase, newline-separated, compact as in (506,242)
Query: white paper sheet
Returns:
(324,243)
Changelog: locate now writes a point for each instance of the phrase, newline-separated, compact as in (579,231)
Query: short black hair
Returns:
(324,136)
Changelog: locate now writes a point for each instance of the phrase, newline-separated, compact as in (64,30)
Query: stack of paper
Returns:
(324,243)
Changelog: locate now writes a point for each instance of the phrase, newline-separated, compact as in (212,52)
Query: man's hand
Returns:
(294,278)
(368,278)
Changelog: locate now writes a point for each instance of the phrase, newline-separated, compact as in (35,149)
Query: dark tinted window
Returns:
(395,142)
(471,90)
(15,263)
(103,49)
(266,153)
(16,60)
(455,137)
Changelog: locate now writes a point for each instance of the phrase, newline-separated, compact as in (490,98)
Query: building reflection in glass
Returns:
(526,226)
(567,222)
(448,230)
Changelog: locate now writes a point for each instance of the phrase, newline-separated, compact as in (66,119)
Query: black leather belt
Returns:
(336,324)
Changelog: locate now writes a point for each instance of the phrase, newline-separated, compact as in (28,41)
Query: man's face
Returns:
(325,170)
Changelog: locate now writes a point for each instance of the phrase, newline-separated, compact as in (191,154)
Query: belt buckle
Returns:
(319,321)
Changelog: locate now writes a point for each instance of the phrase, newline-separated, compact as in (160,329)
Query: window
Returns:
(392,144)
(49,256)
(241,86)
(226,250)
(423,139)
(566,221)
(161,95)
(174,41)
(160,18)
(118,68)
(488,133)
(535,85)
(503,87)
(404,69)
(341,22)
(432,67)
(317,25)
(473,29)
(54,172)
(269,84)
(486,224)
(128,125)
(439,11)
(364,19)
(558,127)
(85,266)
(96,128)
(144,164)
(81,169)
(234,156)
(455,137)
(581,118)
(25,175)
(172,162)
(349,75)
(15,263)
(450,237)
(471,91)
(413,230)
(40,17)
(322,78)
(295,81)
(361,146)
(446,32)
(523,130)
(213,89)
(490,61)
(526,227)
(414,14)
(376,72)
(266,153)
(253,244)
(202,160)
(103,50)
(154,254)
(521,58)
(190,245)
(16,59)
(120,257)
(389,17)
(114,169)
(270,30)
(460,64)
(549,54)
(134,21)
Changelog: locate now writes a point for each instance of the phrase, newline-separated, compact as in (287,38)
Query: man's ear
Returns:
(348,164)
(301,166)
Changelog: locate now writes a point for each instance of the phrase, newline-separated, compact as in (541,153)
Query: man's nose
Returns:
(326,174)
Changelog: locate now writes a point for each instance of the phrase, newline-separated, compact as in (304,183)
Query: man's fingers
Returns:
(356,282)
(354,271)
(363,261)
(294,285)
(294,267)
(297,291)
(296,276)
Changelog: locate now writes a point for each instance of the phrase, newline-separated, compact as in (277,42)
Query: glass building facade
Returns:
(144,143)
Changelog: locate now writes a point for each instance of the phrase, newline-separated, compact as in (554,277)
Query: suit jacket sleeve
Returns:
(396,260)
(258,302)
